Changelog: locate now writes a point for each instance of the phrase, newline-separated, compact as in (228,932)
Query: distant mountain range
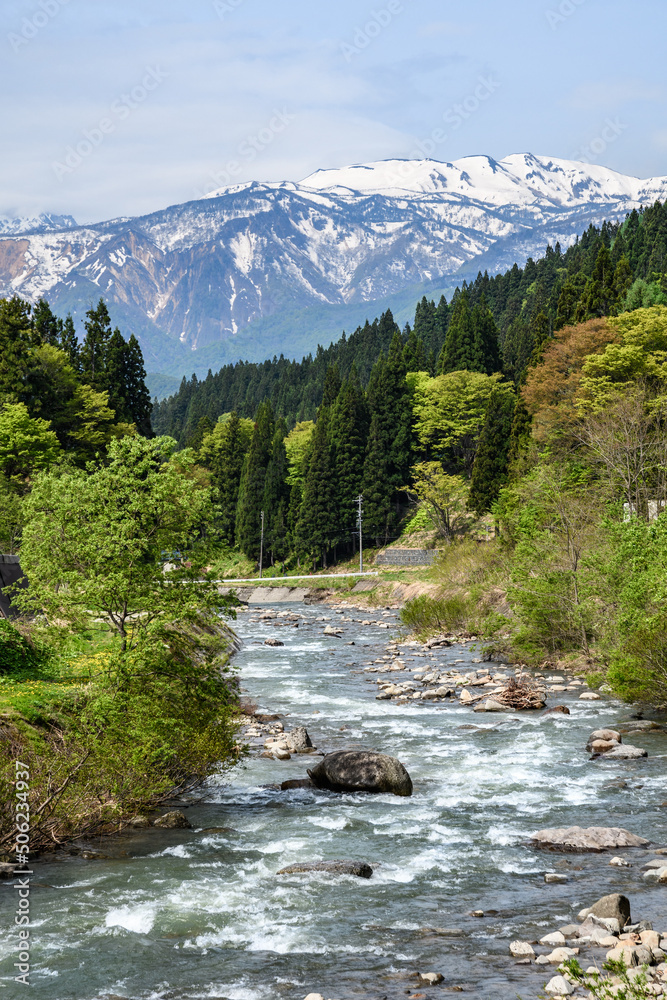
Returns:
(263,268)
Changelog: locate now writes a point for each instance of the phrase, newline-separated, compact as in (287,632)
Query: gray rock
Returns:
(521,949)
(358,868)
(361,771)
(592,838)
(625,753)
(273,642)
(7,869)
(552,878)
(491,705)
(174,820)
(298,740)
(559,986)
(612,907)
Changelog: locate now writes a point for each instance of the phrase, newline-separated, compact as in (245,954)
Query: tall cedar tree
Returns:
(389,401)
(95,345)
(226,469)
(316,527)
(137,396)
(489,472)
(348,430)
(251,490)
(276,497)
(377,498)
(16,337)
(472,338)
(69,343)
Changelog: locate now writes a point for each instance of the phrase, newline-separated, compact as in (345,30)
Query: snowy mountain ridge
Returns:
(202,272)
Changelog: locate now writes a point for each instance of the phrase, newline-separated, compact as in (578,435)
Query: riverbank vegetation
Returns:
(115,682)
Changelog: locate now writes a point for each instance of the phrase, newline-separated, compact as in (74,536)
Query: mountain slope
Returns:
(203,275)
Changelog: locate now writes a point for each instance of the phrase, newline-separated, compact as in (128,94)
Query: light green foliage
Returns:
(95,542)
(26,444)
(296,446)
(444,497)
(618,985)
(641,355)
(450,409)
(427,615)
(552,515)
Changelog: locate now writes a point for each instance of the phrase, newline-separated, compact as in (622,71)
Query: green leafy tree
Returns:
(446,498)
(94,546)
(26,445)
(450,411)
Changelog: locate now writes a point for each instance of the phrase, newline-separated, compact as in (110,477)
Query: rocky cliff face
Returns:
(200,273)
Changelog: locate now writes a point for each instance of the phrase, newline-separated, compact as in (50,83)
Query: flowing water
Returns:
(201,913)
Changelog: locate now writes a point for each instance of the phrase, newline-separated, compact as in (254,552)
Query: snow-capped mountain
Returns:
(46,222)
(200,273)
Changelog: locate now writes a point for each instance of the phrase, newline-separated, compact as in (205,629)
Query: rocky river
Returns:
(201,913)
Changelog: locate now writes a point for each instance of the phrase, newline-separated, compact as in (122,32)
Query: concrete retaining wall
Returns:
(406,557)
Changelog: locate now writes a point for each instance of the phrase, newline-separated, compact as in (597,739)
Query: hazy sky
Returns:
(165,100)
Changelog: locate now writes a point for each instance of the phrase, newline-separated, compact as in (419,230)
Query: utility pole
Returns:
(261,547)
(359,501)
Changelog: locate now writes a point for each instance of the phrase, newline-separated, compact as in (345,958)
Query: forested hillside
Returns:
(609,269)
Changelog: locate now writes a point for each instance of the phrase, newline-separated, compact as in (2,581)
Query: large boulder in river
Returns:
(612,907)
(174,820)
(358,868)
(594,838)
(361,771)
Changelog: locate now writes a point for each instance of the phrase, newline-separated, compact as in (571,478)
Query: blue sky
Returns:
(164,99)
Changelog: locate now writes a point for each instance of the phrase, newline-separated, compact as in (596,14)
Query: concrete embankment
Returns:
(364,591)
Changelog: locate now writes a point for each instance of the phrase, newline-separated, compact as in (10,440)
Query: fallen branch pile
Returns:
(521,693)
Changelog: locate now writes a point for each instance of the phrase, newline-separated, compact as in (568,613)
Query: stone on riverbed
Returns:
(174,820)
(491,705)
(612,907)
(521,949)
(361,771)
(559,987)
(358,868)
(625,753)
(273,642)
(593,838)
(287,786)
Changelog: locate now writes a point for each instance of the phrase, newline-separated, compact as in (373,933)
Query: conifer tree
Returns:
(114,363)
(276,496)
(251,490)
(519,438)
(226,469)
(316,527)
(331,385)
(489,472)
(95,344)
(69,343)
(485,344)
(137,396)
(377,498)
(47,326)
(348,430)
(458,350)
(389,400)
